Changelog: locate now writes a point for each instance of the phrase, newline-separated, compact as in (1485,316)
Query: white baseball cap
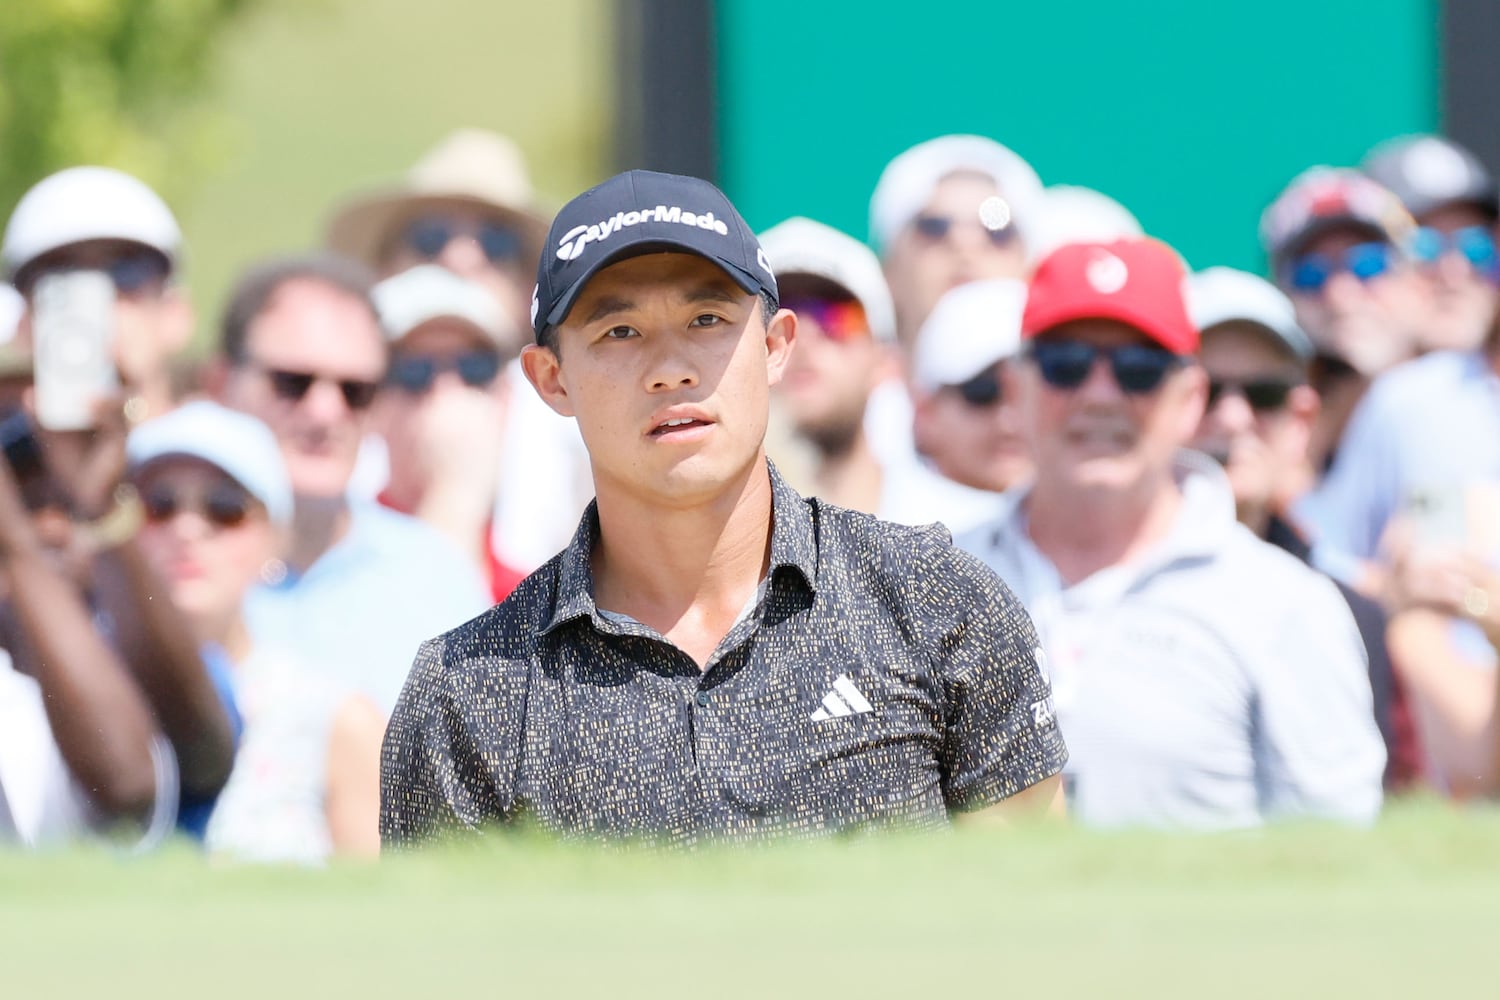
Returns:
(428,292)
(1221,294)
(908,182)
(236,443)
(971,327)
(87,203)
(802,246)
(1072,214)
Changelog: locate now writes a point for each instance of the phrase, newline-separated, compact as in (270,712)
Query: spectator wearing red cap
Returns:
(1205,679)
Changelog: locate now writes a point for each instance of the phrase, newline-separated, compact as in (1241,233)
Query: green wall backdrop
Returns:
(1193,114)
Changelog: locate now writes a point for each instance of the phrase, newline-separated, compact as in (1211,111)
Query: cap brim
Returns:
(362,228)
(1316,227)
(564,304)
(1120,312)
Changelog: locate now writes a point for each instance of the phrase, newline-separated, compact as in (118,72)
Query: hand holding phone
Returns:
(73,320)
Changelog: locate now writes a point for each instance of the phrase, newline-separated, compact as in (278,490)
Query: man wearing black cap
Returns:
(713,657)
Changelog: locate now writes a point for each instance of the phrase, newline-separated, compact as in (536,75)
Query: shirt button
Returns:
(703,699)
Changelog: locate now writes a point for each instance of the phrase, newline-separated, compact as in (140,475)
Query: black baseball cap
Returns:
(640,212)
(1428,172)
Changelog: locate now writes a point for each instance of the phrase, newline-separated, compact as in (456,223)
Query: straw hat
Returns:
(471,168)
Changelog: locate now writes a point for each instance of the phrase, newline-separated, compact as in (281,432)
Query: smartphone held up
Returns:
(72,326)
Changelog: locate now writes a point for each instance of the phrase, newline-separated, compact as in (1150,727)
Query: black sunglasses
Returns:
(428,237)
(981,391)
(937,227)
(223,506)
(1138,369)
(292,386)
(1264,395)
(416,373)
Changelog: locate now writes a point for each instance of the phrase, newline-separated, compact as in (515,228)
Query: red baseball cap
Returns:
(1138,282)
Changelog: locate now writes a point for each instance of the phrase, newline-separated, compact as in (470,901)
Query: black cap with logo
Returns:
(641,212)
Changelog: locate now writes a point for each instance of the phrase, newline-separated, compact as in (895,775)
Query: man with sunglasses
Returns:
(714,657)
(302,349)
(964,426)
(846,328)
(1455,203)
(1340,247)
(468,205)
(1205,679)
(1257,424)
(444,409)
(98,219)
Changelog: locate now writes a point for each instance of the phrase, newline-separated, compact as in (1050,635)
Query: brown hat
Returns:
(471,168)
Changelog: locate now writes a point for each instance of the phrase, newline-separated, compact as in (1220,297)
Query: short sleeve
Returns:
(1000,727)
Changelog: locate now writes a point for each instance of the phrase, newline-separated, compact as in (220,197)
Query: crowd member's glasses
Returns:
(1476,243)
(292,386)
(982,391)
(429,236)
(1311,272)
(1264,395)
(993,219)
(130,273)
(415,373)
(1138,368)
(841,322)
(223,506)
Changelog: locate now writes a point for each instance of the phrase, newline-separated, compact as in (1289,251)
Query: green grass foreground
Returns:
(1411,909)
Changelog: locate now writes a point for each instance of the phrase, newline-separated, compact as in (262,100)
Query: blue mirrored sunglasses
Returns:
(1475,243)
(1366,261)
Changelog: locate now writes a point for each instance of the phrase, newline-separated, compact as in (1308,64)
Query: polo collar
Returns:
(793,547)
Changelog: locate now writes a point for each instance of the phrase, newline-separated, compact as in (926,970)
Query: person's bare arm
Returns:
(99,718)
(153,637)
(1041,801)
(352,802)
(1453,700)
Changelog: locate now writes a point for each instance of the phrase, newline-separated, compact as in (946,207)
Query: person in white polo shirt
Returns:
(1204,679)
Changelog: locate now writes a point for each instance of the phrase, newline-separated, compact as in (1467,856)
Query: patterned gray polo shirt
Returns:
(884,677)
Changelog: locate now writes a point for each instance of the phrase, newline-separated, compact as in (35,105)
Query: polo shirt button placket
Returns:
(702,699)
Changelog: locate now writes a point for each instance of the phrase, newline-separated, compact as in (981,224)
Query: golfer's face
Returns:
(667,365)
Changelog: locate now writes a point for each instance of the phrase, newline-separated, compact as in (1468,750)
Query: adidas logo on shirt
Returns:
(843,700)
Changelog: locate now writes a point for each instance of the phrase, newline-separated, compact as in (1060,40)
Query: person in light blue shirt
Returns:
(1424,443)
(359,587)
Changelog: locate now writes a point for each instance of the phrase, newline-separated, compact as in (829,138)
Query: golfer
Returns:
(713,656)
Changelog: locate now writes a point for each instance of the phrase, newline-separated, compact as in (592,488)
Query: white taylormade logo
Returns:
(572,244)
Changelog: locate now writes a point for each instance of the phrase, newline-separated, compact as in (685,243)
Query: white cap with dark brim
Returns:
(239,445)
(1218,295)
(909,180)
(803,246)
(87,203)
(429,292)
(971,328)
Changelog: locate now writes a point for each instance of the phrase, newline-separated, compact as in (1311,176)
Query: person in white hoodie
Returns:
(1203,679)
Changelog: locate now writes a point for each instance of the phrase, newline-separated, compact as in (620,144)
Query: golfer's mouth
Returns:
(679,424)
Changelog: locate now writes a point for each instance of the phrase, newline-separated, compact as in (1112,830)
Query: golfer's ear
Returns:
(781,338)
(543,370)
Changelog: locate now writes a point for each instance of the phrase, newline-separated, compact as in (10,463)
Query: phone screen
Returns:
(73,314)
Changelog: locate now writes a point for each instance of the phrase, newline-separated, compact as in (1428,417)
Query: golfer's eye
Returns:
(619,333)
(707,319)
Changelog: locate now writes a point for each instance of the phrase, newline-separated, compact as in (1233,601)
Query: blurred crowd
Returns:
(1256,519)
